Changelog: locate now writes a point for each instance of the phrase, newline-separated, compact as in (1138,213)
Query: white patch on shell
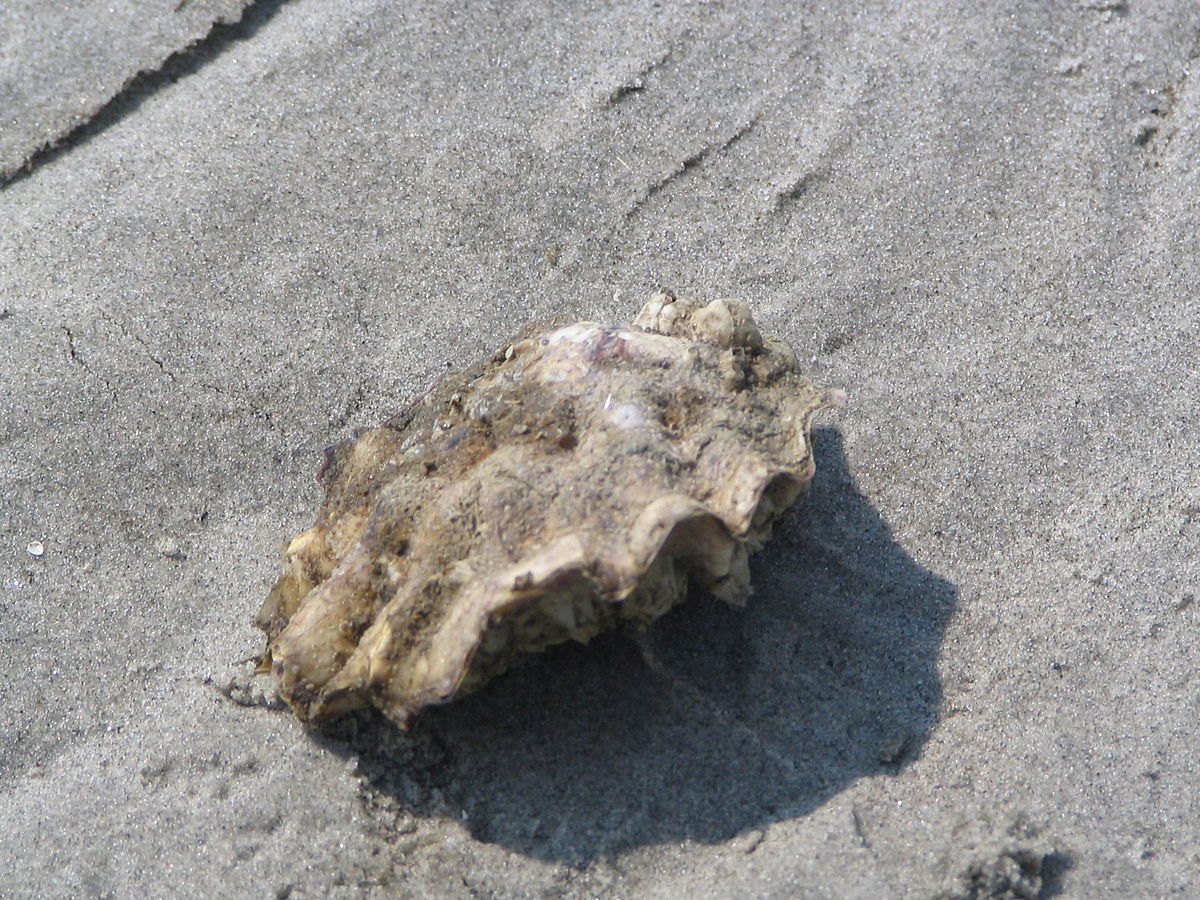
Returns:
(627,415)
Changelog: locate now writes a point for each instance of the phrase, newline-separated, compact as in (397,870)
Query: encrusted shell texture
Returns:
(577,480)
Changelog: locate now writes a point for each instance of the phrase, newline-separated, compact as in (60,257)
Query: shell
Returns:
(576,481)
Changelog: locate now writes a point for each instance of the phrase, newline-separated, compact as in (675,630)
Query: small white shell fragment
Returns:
(170,548)
(35,548)
(578,480)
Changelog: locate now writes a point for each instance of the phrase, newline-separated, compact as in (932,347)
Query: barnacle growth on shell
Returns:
(577,480)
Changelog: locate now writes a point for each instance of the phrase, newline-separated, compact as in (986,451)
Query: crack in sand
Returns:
(74,357)
(147,82)
(688,165)
(73,354)
(129,334)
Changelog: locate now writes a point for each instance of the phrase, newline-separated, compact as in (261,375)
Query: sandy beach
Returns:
(233,232)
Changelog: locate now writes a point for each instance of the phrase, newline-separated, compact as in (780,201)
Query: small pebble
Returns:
(1071,65)
(749,842)
(169,547)
(35,548)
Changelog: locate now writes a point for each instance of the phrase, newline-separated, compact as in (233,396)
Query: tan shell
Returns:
(577,480)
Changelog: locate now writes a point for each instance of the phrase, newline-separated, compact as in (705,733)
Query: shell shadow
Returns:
(716,721)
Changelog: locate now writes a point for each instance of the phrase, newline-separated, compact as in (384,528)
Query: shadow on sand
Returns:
(716,721)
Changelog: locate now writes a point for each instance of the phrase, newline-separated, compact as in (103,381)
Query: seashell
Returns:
(576,481)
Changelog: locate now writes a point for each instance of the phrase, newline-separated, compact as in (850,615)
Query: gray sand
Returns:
(969,666)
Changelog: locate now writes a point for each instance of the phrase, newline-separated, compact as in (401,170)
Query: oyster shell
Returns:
(577,480)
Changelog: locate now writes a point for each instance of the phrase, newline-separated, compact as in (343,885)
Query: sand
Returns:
(969,667)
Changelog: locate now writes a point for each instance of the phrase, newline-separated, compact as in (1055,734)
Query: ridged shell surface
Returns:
(577,480)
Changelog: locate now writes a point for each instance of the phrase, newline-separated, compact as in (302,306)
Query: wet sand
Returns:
(969,666)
